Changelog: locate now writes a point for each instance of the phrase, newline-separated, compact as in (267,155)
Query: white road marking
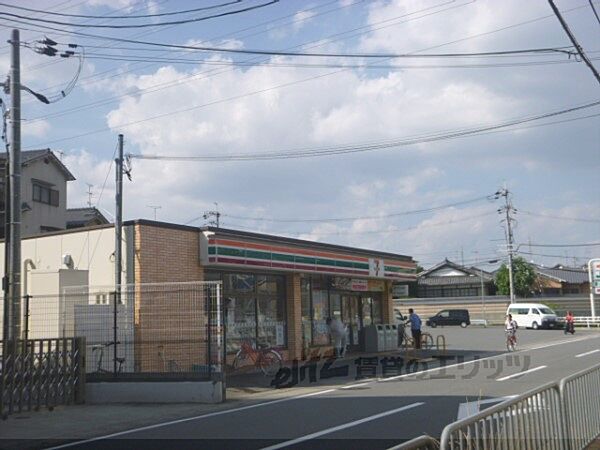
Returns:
(281,400)
(308,437)
(187,419)
(587,353)
(518,374)
(473,361)
(350,386)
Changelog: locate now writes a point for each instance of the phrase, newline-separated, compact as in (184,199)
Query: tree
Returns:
(523,278)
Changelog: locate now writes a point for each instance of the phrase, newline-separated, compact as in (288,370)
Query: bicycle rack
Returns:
(441,338)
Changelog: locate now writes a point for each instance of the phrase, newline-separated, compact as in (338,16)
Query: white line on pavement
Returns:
(297,397)
(518,374)
(473,361)
(187,419)
(308,437)
(587,353)
(350,386)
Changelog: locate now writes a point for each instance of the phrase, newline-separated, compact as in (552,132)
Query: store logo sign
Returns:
(376,268)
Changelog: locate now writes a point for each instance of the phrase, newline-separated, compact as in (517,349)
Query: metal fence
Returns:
(580,395)
(530,421)
(140,331)
(419,443)
(562,415)
(41,373)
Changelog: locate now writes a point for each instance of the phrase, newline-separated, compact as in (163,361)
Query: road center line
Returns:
(587,353)
(518,374)
(350,386)
(308,437)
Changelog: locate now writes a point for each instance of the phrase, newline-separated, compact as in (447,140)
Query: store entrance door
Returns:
(351,317)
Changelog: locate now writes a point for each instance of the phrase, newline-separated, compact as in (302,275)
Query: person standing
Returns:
(338,335)
(570,323)
(415,327)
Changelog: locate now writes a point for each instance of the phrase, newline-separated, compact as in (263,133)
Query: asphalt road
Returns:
(347,413)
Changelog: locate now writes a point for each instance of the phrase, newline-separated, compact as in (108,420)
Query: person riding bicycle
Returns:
(570,323)
(510,326)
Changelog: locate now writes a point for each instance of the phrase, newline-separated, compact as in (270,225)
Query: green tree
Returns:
(523,278)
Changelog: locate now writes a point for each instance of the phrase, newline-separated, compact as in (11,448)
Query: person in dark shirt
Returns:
(415,327)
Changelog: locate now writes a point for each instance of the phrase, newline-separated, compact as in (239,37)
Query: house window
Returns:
(45,194)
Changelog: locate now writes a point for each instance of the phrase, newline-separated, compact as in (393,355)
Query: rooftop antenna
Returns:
(154,207)
(90,194)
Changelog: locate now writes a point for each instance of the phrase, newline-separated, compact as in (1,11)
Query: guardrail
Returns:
(580,395)
(419,443)
(560,415)
(588,321)
(530,421)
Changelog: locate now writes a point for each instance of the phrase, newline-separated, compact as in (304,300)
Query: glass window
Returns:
(444,314)
(238,282)
(241,321)
(255,308)
(366,311)
(335,303)
(320,329)
(377,310)
(271,321)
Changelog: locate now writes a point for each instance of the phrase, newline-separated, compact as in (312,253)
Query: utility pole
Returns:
(118,243)
(508,209)
(216,214)
(13,273)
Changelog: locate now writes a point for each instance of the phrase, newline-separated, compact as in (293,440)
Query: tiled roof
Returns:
(452,281)
(571,275)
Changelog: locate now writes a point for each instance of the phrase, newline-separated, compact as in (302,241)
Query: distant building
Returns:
(43,192)
(560,280)
(85,217)
(448,279)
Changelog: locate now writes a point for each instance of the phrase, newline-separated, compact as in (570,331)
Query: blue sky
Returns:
(212,108)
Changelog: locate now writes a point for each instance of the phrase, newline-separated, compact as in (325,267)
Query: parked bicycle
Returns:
(98,355)
(267,359)
(170,365)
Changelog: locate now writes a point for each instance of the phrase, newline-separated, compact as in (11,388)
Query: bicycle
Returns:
(426,339)
(511,340)
(267,359)
(99,348)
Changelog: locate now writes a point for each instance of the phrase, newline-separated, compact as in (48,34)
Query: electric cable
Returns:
(358,148)
(589,244)
(573,219)
(144,25)
(130,16)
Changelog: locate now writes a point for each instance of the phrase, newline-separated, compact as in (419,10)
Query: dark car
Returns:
(450,317)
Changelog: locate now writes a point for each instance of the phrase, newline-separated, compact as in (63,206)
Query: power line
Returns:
(184,61)
(589,244)
(357,148)
(574,41)
(548,256)
(549,50)
(573,219)
(144,25)
(595,12)
(131,16)
(381,216)
(213,72)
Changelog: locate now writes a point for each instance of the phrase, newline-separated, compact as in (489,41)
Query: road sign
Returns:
(597,291)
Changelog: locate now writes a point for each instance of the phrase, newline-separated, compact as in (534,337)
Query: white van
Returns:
(533,315)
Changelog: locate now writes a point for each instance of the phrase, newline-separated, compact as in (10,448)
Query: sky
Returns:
(172,102)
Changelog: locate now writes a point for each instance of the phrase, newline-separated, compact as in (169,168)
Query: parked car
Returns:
(450,317)
(534,315)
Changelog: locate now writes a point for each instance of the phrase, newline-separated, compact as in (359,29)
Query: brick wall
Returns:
(170,324)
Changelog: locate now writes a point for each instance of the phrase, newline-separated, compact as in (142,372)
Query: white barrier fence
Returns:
(563,416)
(588,321)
